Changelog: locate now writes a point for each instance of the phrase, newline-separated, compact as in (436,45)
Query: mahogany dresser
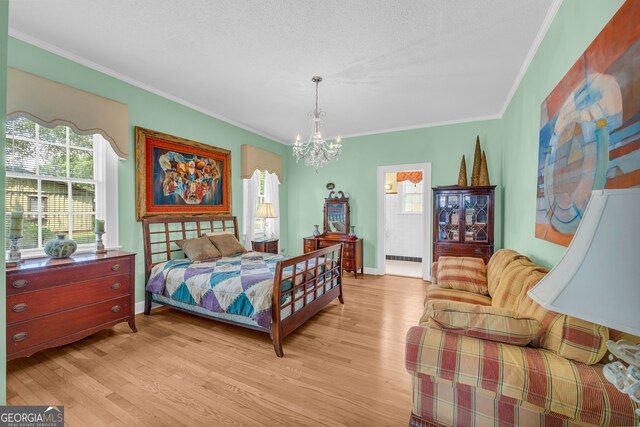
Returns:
(54,302)
(351,250)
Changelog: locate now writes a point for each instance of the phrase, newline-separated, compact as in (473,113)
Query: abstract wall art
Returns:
(175,176)
(590,128)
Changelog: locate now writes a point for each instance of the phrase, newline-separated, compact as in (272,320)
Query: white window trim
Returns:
(401,193)
(260,231)
(105,177)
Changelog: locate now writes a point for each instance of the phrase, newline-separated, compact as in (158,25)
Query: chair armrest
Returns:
(539,377)
(434,273)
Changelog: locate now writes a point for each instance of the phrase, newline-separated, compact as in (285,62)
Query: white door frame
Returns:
(426,211)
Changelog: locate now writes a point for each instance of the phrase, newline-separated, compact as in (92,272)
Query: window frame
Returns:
(402,191)
(105,168)
(260,230)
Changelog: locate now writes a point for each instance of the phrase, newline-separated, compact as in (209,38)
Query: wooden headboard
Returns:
(162,233)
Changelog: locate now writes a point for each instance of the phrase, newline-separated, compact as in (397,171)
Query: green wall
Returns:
(576,24)
(4,17)
(511,144)
(355,173)
(153,112)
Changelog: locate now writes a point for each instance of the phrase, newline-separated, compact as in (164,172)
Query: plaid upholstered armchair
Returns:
(486,354)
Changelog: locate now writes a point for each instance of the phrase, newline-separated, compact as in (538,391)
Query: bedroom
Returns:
(416,83)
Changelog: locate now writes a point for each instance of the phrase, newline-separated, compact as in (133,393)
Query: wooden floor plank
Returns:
(344,367)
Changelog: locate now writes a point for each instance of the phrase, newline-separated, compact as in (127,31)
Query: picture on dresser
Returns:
(177,176)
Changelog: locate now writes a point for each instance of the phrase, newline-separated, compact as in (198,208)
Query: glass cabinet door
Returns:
(476,214)
(448,210)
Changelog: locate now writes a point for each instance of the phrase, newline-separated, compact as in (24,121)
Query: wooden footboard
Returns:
(302,286)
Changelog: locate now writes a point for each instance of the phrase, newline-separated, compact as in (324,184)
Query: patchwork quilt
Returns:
(241,284)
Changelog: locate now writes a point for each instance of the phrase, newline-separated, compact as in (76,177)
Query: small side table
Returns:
(265,245)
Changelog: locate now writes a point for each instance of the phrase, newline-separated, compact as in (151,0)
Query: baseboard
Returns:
(372,271)
(140,307)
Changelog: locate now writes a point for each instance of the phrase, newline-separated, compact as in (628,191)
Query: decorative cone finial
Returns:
(477,159)
(484,172)
(462,175)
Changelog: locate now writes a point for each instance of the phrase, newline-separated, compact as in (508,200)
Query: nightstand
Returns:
(265,245)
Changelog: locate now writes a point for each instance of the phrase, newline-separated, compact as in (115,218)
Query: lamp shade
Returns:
(598,278)
(265,210)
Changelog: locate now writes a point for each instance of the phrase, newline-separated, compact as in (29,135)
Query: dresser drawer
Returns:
(326,243)
(349,246)
(28,305)
(309,243)
(308,249)
(272,247)
(348,264)
(348,254)
(38,331)
(23,281)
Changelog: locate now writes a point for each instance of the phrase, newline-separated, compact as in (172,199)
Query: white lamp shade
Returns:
(265,210)
(598,278)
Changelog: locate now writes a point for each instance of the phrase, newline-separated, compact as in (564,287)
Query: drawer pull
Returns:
(20,336)
(115,267)
(18,308)
(478,250)
(115,308)
(116,286)
(20,283)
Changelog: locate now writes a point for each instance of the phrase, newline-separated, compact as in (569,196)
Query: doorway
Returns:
(404,218)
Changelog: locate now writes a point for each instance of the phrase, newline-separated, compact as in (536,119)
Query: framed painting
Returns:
(590,128)
(176,176)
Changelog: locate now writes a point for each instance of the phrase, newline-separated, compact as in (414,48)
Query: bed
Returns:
(266,292)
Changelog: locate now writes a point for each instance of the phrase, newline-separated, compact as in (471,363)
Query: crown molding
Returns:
(423,126)
(542,32)
(115,74)
(549,17)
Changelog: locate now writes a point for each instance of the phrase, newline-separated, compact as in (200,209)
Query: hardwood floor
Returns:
(343,367)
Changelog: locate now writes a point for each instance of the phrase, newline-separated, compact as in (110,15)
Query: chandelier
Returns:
(317,151)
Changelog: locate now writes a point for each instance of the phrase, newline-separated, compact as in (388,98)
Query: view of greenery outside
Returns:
(50,179)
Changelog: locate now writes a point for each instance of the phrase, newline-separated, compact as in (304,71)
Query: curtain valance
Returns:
(414,176)
(52,104)
(254,158)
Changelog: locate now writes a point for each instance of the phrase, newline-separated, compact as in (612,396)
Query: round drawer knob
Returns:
(116,286)
(18,308)
(116,308)
(20,336)
(115,267)
(20,283)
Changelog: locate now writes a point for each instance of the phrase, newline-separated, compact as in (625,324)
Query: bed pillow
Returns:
(483,322)
(199,249)
(216,233)
(463,274)
(227,244)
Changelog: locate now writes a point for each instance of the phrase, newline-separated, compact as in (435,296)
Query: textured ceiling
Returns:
(387,64)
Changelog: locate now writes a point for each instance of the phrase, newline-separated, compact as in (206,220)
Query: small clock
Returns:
(331,186)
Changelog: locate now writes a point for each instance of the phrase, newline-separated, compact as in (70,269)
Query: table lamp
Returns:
(265,211)
(598,279)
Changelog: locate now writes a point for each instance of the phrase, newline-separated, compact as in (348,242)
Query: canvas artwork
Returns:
(176,176)
(590,128)
(186,179)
